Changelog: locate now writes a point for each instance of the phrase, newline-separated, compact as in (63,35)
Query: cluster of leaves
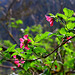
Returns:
(38,58)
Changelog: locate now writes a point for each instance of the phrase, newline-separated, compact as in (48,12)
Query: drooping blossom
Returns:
(49,19)
(12,68)
(22,61)
(18,62)
(24,42)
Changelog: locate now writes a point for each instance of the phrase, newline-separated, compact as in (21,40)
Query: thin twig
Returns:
(9,34)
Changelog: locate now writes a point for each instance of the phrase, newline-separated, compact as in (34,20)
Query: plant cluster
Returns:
(44,53)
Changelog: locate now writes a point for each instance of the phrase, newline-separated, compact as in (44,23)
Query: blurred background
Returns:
(31,12)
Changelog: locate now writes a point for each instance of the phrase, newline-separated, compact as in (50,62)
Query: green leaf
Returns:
(71,19)
(69,34)
(13,25)
(19,50)
(52,34)
(0,49)
(7,55)
(31,40)
(26,65)
(12,19)
(70,25)
(19,22)
(40,37)
(7,43)
(14,54)
(68,12)
(62,31)
(27,30)
(62,16)
(32,57)
(37,28)
(68,50)
(11,49)
(51,14)
(39,50)
(38,44)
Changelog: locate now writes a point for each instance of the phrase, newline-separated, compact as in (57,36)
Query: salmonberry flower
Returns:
(49,19)
(24,42)
(12,68)
(22,61)
(18,62)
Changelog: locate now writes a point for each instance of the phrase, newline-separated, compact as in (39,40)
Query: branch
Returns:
(10,34)
(51,52)
(58,47)
(4,47)
(11,5)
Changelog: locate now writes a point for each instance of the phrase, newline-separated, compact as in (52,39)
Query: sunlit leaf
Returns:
(68,12)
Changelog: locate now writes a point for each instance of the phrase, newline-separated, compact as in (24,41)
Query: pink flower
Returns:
(24,42)
(50,20)
(22,61)
(16,61)
(18,64)
(14,56)
(12,68)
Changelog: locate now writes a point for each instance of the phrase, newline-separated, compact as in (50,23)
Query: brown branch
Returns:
(11,5)
(52,51)
(9,34)
(58,47)
(4,47)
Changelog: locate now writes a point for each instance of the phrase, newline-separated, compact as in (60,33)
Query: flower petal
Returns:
(14,56)
(18,64)
(26,47)
(25,36)
(28,40)
(21,40)
(22,61)
(21,45)
(48,18)
(16,61)
(51,23)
